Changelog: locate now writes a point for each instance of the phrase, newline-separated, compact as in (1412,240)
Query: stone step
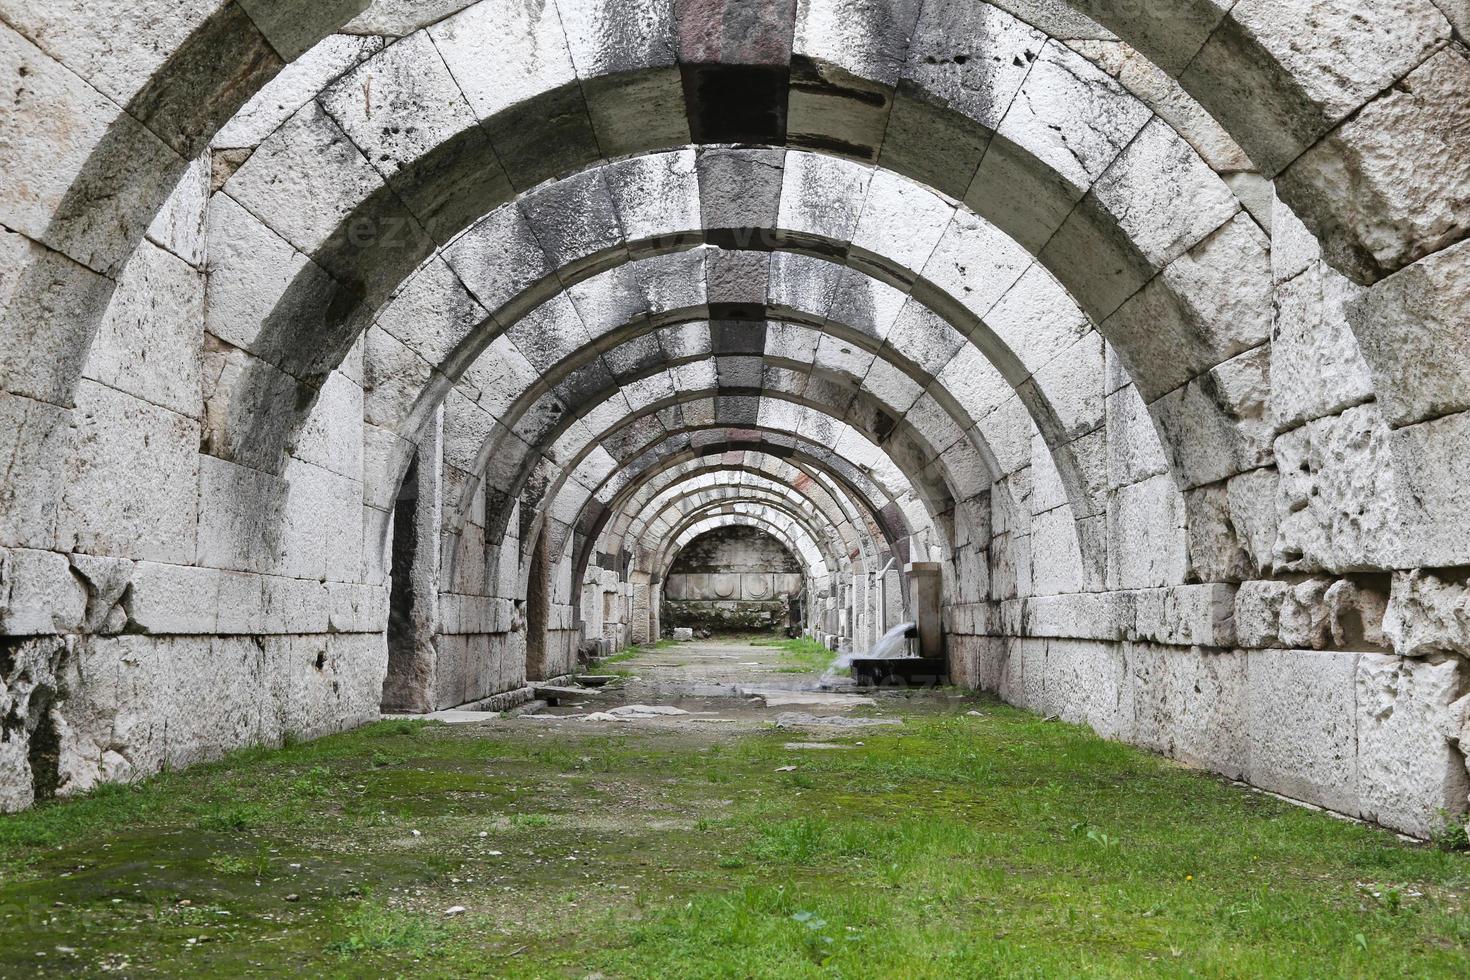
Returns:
(551,694)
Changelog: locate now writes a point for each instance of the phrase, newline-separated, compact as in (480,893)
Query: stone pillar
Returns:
(640,618)
(926,587)
(412,682)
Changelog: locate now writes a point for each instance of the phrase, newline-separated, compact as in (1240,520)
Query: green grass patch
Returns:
(374,928)
(799,656)
(956,845)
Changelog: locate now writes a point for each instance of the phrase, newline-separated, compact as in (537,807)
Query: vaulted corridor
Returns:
(395,357)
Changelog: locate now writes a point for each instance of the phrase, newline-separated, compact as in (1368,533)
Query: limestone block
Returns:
(972,575)
(1190,704)
(795,342)
(574,219)
(1008,430)
(1072,384)
(534,56)
(1458,14)
(35,442)
(1011,572)
(42,287)
(739,188)
(250,267)
(607,36)
(115,51)
(148,343)
(1036,318)
(1429,613)
(821,195)
(795,282)
(38,594)
(1335,57)
(499,258)
(1355,614)
(971,59)
(1337,499)
(1061,91)
(432,313)
(34,672)
(901,222)
(657,197)
(292,31)
(1186,615)
(840,356)
(1411,719)
(1258,613)
(56,122)
(331,437)
(1384,214)
(1316,368)
(393,379)
(1219,424)
(1142,188)
(926,339)
(214,700)
(296,84)
(176,599)
(1146,535)
(1025,676)
(293,605)
(306,180)
(403,110)
(1210,304)
(239,512)
(399,105)
(1058,566)
(963,653)
(972,266)
(1085,615)
(1164,95)
(1416,337)
(498,377)
(360,661)
(1302,711)
(131,479)
(1305,617)
(106,581)
(1134,451)
(1252,501)
(1293,247)
(1086,683)
(1433,469)
(1047,489)
(932,423)
(970,618)
(1216,550)
(863,39)
(179,226)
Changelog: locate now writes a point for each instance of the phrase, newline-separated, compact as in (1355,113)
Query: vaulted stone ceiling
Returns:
(1146,322)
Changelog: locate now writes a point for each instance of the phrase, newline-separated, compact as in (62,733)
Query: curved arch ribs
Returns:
(343,343)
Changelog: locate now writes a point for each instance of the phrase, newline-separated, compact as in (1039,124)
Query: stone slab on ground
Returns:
(800,719)
(553,693)
(780,698)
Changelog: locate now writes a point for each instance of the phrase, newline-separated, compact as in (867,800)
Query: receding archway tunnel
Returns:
(382,356)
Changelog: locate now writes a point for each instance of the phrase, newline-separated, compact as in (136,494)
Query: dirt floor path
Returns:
(712,814)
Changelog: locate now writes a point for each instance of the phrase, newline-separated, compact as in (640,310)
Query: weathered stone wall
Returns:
(1244,625)
(735,578)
